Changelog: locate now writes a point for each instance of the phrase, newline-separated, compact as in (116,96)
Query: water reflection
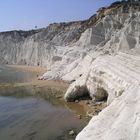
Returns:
(41,92)
(34,118)
(32,112)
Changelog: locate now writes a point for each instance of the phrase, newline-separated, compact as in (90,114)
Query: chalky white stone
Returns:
(104,63)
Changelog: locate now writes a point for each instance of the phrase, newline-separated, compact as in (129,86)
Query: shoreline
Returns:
(58,84)
(28,68)
(58,89)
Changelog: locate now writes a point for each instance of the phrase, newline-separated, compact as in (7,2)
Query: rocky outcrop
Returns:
(118,78)
(99,57)
(120,120)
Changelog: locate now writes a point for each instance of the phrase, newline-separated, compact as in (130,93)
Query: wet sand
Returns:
(56,84)
(36,69)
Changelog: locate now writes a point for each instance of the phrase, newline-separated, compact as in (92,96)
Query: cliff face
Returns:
(38,46)
(34,47)
(99,56)
(116,30)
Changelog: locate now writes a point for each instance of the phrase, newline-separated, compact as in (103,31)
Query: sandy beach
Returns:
(57,84)
(36,69)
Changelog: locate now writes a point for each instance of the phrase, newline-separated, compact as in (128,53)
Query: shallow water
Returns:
(26,117)
(11,75)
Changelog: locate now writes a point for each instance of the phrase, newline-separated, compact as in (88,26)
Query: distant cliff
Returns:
(36,47)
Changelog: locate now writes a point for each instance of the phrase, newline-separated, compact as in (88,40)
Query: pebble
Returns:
(89,114)
(87,102)
(71,133)
(76,101)
(59,96)
(99,103)
(79,116)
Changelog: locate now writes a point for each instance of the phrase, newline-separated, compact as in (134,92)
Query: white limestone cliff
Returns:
(117,76)
(99,56)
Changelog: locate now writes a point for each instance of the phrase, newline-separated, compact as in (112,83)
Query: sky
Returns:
(26,14)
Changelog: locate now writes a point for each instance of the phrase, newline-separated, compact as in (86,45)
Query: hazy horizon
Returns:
(25,15)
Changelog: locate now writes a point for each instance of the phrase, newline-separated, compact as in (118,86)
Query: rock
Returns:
(79,116)
(71,133)
(99,103)
(76,101)
(59,96)
(100,57)
(89,114)
(87,102)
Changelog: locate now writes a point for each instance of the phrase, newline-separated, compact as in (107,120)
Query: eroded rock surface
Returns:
(100,57)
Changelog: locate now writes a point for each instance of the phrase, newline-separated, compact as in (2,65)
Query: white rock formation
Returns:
(117,77)
(119,121)
(99,56)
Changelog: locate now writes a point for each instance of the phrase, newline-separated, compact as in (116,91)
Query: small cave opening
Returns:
(94,104)
(101,94)
(85,97)
(82,93)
